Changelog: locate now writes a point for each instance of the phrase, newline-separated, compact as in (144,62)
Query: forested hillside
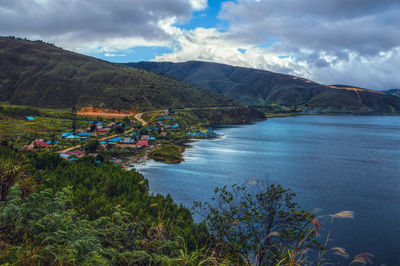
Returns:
(261,88)
(42,75)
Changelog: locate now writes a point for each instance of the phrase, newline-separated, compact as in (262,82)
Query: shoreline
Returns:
(187,143)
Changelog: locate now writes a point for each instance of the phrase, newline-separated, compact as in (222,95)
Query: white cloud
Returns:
(355,42)
(198,4)
(113,55)
(373,71)
(330,41)
(80,25)
(212,45)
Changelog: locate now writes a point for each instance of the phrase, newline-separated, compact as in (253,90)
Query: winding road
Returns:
(138,117)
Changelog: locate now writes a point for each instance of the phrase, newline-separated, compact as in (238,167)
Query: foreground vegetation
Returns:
(88,213)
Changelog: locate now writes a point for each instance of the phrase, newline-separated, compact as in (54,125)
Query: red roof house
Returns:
(142,143)
(41,144)
(77,153)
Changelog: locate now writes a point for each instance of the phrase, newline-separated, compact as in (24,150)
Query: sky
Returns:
(354,42)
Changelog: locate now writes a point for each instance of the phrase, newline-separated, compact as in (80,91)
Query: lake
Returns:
(333,163)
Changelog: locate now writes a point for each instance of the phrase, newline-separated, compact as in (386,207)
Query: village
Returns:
(125,143)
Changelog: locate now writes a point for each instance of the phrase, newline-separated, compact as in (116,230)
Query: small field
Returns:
(47,124)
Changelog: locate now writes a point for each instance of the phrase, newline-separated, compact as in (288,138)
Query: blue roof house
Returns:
(73,137)
(84,134)
(117,139)
(66,134)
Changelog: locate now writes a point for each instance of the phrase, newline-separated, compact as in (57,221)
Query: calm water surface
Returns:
(333,163)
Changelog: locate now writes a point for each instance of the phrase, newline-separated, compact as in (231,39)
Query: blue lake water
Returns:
(333,163)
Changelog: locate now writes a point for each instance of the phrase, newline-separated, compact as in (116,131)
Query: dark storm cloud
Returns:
(89,19)
(364,26)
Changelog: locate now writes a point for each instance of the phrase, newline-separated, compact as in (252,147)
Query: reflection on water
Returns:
(333,163)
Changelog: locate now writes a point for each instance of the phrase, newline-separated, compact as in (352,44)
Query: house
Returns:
(77,153)
(66,134)
(116,139)
(84,135)
(211,133)
(142,143)
(152,138)
(29,119)
(163,134)
(41,144)
(73,137)
(199,133)
(35,145)
(146,137)
(51,142)
(172,127)
(128,141)
(102,131)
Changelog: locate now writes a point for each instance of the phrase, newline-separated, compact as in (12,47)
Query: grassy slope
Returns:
(38,74)
(48,123)
(262,88)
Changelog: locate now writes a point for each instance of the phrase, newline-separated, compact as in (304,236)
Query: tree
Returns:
(14,168)
(73,118)
(260,226)
(93,127)
(91,146)
(119,129)
(127,121)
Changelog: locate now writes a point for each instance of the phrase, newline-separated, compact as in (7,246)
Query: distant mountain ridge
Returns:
(261,88)
(38,74)
(394,92)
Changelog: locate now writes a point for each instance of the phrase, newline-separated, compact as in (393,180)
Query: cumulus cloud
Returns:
(214,46)
(77,23)
(364,26)
(198,4)
(352,42)
(355,42)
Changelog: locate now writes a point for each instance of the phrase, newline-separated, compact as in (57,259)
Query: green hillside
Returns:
(263,88)
(38,74)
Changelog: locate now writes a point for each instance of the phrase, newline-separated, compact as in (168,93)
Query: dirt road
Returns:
(137,116)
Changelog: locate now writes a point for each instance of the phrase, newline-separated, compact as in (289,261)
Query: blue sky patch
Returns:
(136,54)
(207,18)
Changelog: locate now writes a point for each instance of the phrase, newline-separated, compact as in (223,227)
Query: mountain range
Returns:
(39,74)
(395,92)
(262,88)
